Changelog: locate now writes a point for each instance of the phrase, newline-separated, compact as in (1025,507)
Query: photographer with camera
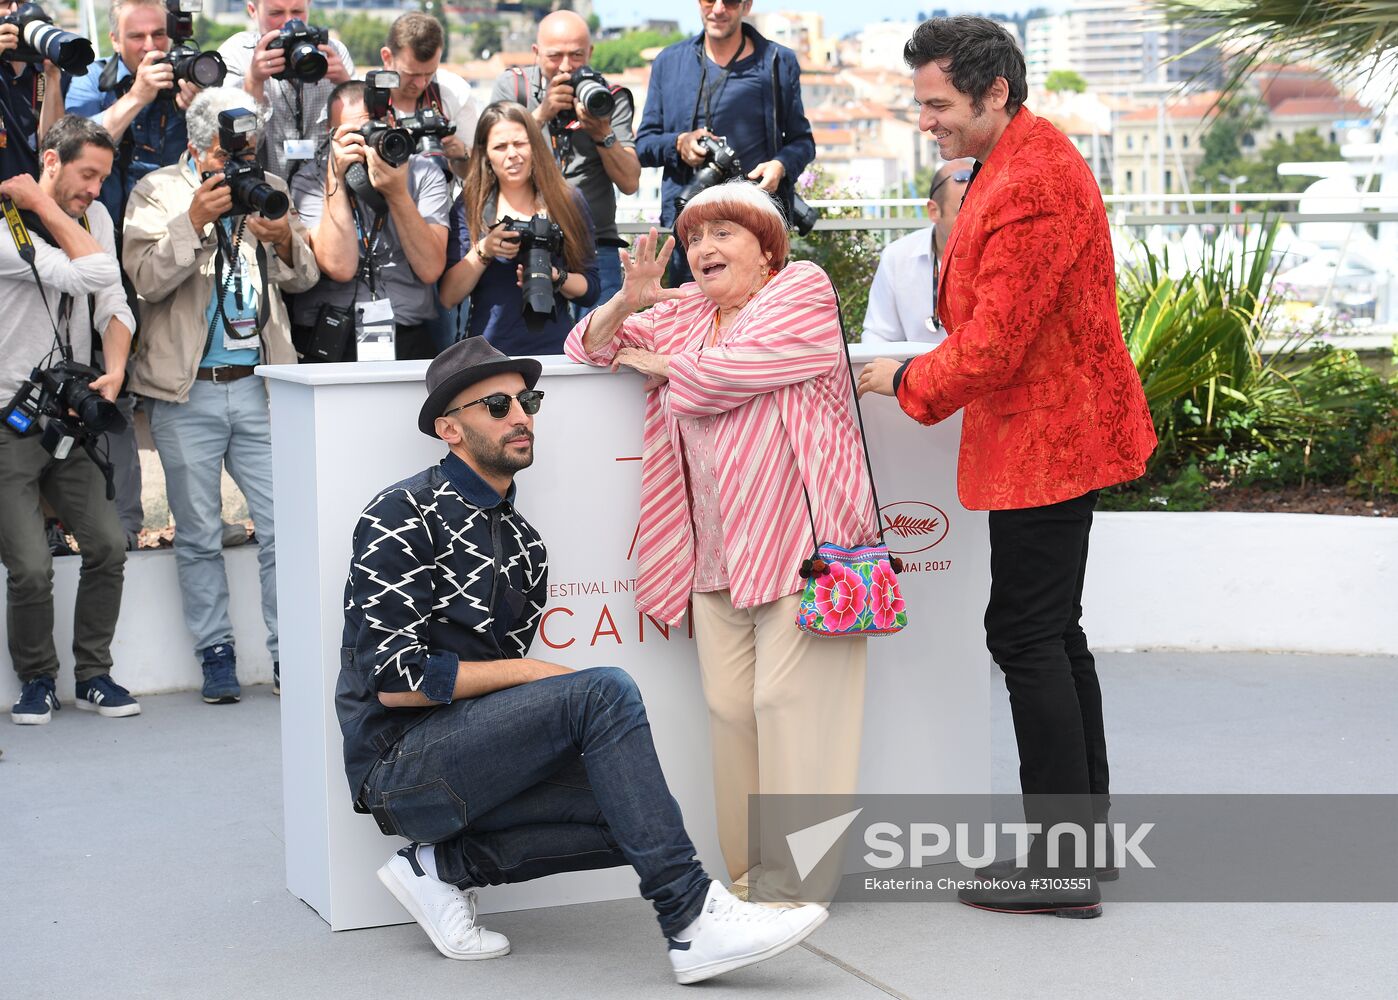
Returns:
(378,218)
(138,95)
(596,151)
(290,66)
(521,242)
(414,51)
(59,282)
(729,83)
(210,242)
(34,54)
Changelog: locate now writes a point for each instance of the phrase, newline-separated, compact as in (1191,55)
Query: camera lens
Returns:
(394,145)
(95,412)
(68,52)
(596,98)
(306,62)
(204,70)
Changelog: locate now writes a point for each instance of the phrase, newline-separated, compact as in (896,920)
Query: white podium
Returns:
(341,433)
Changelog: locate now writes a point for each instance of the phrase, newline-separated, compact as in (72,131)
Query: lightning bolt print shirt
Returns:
(443,569)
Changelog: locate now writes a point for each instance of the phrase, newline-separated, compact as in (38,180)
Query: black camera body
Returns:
(46,399)
(301,43)
(201,68)
(720,164)
(427,129)
(395,145)
(40,39)
(590,89)
(540,240)
(242,173)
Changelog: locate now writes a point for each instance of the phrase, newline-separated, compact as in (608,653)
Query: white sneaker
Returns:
(446,913)
(731,934)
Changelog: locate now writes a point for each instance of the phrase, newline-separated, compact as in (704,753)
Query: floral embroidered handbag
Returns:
(851,591)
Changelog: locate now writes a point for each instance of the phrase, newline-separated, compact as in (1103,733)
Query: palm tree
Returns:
(1347,34)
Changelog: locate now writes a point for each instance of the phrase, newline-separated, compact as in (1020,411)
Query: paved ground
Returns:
(142,858)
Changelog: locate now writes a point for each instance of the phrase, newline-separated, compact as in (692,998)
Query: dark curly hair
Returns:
(972,51)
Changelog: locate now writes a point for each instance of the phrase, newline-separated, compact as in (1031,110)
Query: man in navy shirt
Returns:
(25,115)
(727,81)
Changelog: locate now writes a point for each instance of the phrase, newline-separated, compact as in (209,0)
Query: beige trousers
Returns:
(786,714)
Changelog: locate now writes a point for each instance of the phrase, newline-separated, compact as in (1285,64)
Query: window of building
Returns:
(1130,144)
(1169,141)
(1169,185)
(1184,141)
(1130,187)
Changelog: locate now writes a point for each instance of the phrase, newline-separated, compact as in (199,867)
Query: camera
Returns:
(427,129)
(540,239)
(47,397)
(39,39)
(720,164)
(300,42)
(242,174)
(591,91)
(803,217)
(395,145)
(203,69)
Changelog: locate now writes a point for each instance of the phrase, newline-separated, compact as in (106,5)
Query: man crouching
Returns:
(501,768)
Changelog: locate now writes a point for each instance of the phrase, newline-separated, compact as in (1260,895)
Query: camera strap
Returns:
(716,91)
(229,249)
(24,243)
(369,243)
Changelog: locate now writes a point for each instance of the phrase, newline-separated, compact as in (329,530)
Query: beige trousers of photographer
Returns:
(786,715)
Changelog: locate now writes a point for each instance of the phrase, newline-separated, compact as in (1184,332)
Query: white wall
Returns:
(1285,582)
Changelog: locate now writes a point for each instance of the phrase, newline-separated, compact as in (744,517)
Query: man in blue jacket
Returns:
(727,81)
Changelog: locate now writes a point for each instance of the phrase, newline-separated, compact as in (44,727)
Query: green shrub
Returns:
(849,256)
(1376,464)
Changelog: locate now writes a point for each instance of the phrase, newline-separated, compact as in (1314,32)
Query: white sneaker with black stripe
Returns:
(731,934)
(446,913)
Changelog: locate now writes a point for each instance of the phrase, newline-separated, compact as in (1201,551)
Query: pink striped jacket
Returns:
(777,377)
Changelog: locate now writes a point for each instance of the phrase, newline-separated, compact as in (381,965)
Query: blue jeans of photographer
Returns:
(555,775)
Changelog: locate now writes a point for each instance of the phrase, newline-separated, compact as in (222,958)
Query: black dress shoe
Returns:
(1025,890)
(1001,869)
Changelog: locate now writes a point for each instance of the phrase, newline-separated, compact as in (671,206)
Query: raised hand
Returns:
(642,269)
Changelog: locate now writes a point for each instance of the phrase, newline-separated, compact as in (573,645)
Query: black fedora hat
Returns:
(462,364)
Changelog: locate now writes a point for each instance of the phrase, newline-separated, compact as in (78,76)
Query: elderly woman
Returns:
(513,175)
(749,401)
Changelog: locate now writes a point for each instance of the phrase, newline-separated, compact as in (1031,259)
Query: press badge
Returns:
(299,149)
(374,330)
(243,335)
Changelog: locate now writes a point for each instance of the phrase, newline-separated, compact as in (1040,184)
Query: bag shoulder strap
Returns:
(863,441)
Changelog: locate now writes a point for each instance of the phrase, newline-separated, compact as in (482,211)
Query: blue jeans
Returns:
(556,775)
(609,271)
(222,424)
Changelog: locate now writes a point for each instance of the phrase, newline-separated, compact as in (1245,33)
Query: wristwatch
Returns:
(608,142)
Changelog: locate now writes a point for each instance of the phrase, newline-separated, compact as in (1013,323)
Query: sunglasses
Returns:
(498,403)
(961,177)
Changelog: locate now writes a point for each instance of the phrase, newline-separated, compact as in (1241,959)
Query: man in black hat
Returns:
(498,767)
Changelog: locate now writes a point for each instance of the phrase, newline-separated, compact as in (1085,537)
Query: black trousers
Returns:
(1033,626)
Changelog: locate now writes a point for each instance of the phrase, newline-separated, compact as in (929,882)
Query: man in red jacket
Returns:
(1054,412)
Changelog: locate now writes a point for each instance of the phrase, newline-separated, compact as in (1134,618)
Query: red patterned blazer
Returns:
(1034,353)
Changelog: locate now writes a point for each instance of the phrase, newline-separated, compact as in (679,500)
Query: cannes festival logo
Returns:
(912,526)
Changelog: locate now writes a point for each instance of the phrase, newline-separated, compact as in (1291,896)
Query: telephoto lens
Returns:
(300,44)
(40,40)
(591,91)
(203,69)
(252,192)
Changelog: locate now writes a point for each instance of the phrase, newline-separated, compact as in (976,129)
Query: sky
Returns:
(841,16)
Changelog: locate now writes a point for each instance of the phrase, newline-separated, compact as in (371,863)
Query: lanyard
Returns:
(369,242)
(717,90)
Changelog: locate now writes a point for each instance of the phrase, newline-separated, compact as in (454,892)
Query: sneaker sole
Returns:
(1071,912)
(409,902)
(703,972)
(225,699)
(120,712)
(31,720)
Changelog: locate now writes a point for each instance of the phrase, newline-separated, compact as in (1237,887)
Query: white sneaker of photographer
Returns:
(446,913)
(730,934)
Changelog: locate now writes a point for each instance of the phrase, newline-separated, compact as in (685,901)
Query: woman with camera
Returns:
(749,419)
(513,190)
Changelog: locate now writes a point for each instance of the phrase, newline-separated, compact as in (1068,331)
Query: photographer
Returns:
(732,82)
(30,101)
(380,250)
(52,304)
(291,69)
(134,96)
(513,183)
(597,154)
(209,270)
(414,51)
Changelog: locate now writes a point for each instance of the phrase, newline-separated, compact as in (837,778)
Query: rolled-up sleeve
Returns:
(391,586)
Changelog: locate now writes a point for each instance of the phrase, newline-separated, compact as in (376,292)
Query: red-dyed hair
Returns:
(743,204)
